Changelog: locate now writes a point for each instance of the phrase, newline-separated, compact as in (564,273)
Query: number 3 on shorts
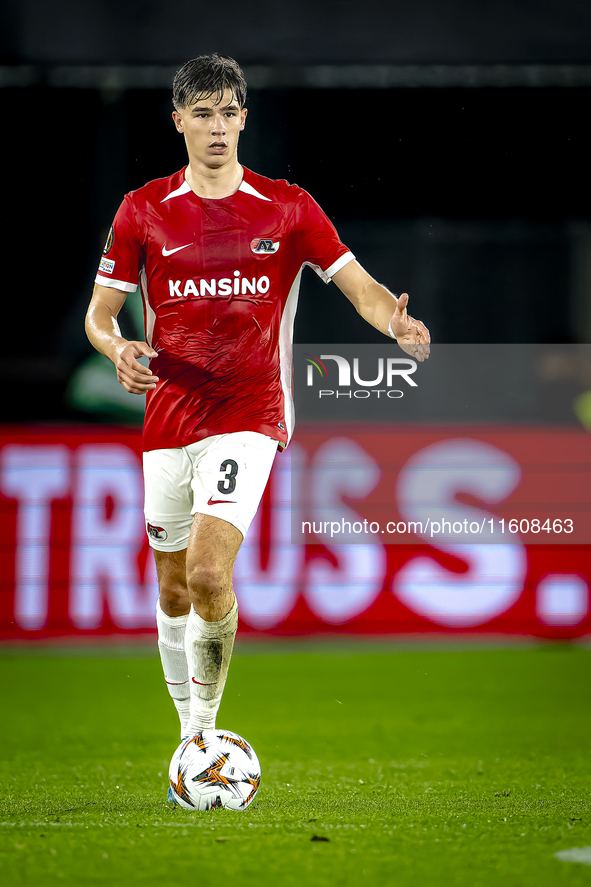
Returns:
(228,484)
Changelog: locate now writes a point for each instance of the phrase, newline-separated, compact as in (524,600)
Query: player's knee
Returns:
(174,598)
(204,582)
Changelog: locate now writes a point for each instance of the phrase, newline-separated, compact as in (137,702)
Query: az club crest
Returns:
(158,533)
(264,245)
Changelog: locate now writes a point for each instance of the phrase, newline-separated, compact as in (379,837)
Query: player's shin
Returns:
(209,648)
(171,643)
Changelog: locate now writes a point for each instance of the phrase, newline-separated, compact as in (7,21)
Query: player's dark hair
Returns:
(205,76)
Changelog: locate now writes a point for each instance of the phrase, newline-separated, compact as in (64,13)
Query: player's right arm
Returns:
(104,334)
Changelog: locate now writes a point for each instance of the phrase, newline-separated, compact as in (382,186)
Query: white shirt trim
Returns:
(327,275)
(150,315)
(286,354)
(244,186)
(182,190)
(248,189)
(116,284)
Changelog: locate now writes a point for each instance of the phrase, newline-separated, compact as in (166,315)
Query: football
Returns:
(214,768)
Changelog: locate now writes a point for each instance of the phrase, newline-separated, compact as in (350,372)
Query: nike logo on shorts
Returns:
(169,252)
(212,501)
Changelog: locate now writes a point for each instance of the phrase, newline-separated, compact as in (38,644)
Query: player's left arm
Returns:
(379,307)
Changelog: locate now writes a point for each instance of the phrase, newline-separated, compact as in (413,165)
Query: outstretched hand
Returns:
(135,378)
(412,335)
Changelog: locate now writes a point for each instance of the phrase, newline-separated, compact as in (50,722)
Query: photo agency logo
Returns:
(333,376)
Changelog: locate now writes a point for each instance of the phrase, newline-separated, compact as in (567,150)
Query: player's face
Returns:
(211,129)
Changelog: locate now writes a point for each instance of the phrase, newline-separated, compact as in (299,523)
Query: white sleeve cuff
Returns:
(116,284)
(327,275)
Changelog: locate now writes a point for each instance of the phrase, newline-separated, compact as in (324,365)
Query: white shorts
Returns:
(224,475)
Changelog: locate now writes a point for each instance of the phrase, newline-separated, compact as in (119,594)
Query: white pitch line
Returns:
(575,854)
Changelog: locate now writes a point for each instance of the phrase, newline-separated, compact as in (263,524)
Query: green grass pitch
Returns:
(381,765)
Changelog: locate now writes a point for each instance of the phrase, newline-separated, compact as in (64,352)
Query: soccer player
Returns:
(218,251)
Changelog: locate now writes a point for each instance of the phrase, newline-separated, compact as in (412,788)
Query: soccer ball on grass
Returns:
(214,768)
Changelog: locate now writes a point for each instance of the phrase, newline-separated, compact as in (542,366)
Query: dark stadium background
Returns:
(465,183)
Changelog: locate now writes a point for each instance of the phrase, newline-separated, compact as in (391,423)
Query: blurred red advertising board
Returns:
(410,531)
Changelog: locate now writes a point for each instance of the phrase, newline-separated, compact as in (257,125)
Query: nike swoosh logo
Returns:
(169,252)
(212,501)
(203,685)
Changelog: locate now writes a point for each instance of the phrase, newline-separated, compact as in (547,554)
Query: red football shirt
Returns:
(220,282)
